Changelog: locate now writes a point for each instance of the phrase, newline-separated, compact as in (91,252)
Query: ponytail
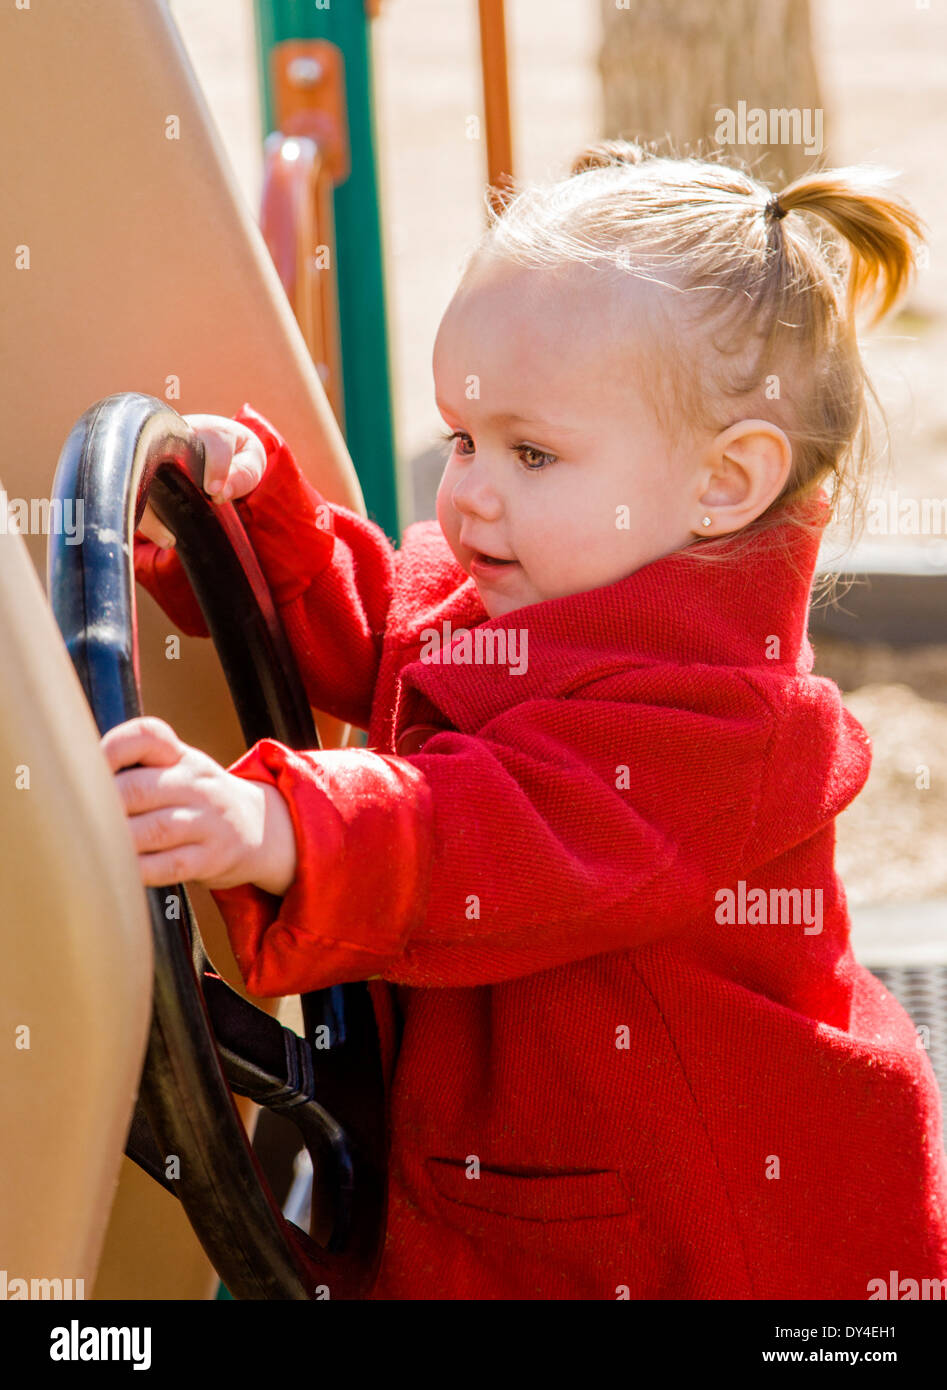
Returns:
(875,227)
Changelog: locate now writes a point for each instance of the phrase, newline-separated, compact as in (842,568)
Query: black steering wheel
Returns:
(205,1039)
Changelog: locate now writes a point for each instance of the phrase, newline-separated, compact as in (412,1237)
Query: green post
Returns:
(365,370)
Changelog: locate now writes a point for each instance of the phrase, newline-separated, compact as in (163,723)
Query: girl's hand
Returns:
(234,462)
(191,820)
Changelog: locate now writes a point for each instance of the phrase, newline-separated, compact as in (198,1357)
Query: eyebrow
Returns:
(510,417)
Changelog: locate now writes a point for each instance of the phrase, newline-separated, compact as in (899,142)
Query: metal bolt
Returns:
(305,72)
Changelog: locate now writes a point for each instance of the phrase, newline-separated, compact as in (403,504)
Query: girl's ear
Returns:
(746,468)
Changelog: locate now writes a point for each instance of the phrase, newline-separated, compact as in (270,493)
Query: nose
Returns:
(474,492)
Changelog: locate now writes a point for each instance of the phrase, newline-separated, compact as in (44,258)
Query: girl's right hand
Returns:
(234,463)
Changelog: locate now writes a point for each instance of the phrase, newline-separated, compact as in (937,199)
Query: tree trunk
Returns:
(676,69)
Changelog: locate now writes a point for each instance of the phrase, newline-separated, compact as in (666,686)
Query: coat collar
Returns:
(673,611)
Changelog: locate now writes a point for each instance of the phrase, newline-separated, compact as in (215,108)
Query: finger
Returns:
(172,866)
(149,788)
(145,740)
(151,527)
(246,469)
(171,827)
(218,454)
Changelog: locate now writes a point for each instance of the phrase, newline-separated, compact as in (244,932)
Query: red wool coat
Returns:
(663,1098)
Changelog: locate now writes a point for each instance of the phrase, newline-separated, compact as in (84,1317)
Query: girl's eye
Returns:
(455,437)
(534,459)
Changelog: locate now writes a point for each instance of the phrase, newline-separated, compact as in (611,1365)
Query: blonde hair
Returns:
(752,272)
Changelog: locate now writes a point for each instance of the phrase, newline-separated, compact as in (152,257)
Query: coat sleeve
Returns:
(329,570)
(485,858)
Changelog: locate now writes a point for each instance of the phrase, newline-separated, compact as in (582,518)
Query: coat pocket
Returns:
(566,1235)
(572,1196)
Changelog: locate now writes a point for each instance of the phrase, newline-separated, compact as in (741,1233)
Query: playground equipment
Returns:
(125,451)
(77,975)
(299,87)
(303,160)
(128,237)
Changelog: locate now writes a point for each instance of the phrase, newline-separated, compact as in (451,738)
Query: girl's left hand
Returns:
(191,820)
(234,463)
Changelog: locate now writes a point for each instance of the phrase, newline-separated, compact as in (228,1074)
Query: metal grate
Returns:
(922,993)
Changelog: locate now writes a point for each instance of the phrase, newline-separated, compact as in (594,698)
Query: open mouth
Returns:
(486,565)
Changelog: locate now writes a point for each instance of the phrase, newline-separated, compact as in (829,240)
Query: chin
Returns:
(499,607)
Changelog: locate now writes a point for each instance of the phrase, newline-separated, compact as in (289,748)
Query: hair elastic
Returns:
(774,209)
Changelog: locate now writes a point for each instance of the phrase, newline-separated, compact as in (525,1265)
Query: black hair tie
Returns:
(774,209)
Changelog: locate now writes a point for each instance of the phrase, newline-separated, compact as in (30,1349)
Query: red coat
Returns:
(664,1100)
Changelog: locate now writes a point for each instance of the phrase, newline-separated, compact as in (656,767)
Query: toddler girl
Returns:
(590,844)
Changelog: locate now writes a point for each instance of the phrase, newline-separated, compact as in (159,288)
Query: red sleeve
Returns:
(485,858)
(329,570)
(161,573)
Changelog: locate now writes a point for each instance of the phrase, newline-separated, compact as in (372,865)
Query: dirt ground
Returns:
(885,102)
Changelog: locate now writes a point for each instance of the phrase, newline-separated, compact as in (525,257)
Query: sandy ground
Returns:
(885,97)
(892,840)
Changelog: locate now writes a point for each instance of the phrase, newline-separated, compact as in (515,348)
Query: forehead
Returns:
(568,333)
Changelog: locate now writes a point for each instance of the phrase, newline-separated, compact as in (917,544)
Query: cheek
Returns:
(592,519)
(444,511)
(633,508)
(604,535)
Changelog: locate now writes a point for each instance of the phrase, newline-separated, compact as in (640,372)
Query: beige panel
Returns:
(148,1233)
(145,267)
(146,272)
(76,951)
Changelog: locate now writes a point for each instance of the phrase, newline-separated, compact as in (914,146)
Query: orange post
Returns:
(496,100)
(305,158)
